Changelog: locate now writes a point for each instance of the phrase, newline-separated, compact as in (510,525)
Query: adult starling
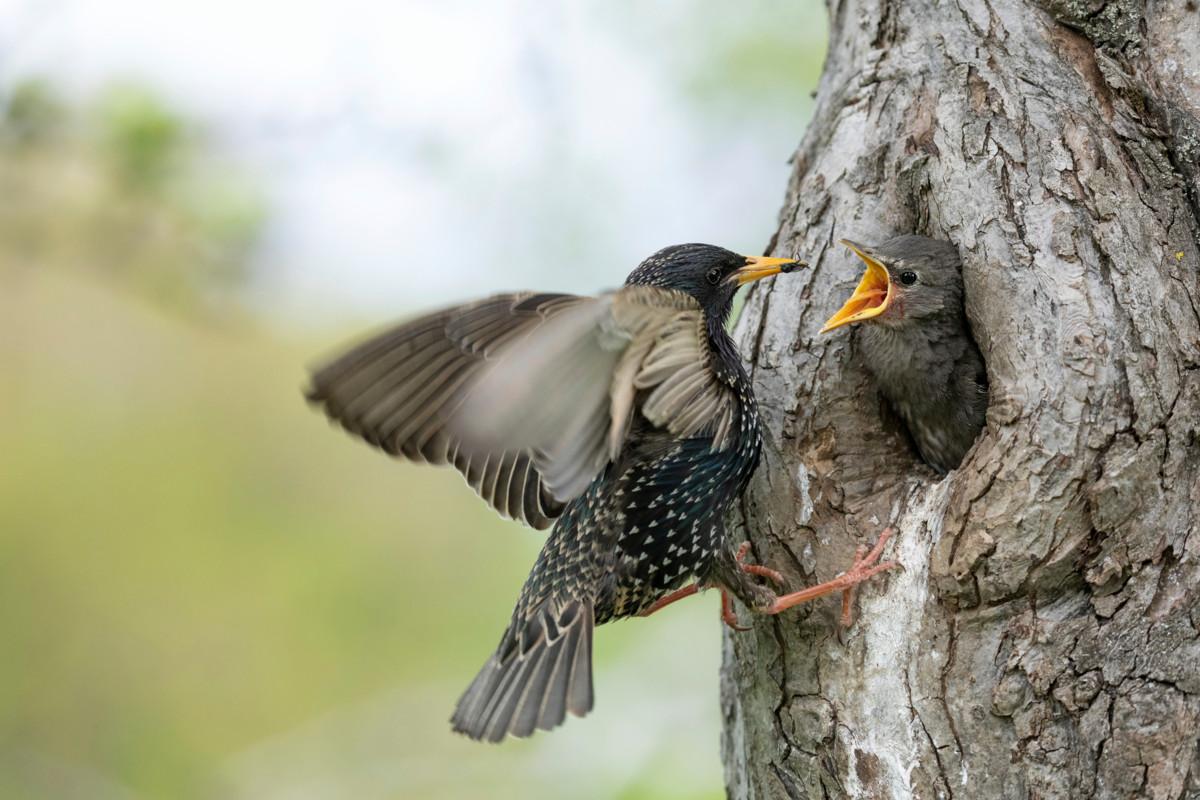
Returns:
(917,344)
(625,420)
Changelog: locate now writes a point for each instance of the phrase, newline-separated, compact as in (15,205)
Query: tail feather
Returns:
(528,710)
(579,688)
(508,693)
(542,669)
(558,681)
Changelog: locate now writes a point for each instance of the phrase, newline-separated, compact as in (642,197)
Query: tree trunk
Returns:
(1043,639)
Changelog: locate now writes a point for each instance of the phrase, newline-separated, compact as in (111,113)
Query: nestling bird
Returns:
(625,420)
(916,343)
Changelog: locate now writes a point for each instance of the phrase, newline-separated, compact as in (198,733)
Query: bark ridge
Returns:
(1044,638)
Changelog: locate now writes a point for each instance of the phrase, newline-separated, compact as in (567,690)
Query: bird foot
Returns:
(757,569)
(727,613)
(667,599)
(865,566)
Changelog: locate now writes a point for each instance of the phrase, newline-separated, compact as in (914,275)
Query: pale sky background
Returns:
(417,152)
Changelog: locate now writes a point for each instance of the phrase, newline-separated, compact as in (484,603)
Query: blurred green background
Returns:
(205,590)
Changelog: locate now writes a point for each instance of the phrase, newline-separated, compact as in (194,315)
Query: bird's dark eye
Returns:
(908,277)
(714,275)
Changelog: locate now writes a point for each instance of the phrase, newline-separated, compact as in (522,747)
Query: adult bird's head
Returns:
(910,281)
(710,274)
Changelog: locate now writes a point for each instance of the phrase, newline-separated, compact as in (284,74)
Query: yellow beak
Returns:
(762,267)
(872,296)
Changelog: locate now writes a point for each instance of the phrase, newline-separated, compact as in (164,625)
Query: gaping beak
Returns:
(763,267)
(872,296)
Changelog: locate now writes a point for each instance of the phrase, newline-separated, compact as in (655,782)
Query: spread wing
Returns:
(398,389)
(531,395)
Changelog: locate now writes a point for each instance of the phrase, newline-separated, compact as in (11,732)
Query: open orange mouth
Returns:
(871,298)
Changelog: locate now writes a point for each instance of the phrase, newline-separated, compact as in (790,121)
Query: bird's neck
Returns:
(727,366)
(727,363)
(910,363)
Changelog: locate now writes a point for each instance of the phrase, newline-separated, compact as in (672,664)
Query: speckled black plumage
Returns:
(626,419)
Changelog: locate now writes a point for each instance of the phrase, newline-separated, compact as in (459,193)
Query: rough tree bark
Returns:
(1043,639)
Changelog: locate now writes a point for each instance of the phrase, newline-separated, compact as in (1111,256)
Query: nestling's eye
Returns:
(714,275)
(908,277)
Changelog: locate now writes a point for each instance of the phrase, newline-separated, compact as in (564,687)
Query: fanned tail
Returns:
(542,669)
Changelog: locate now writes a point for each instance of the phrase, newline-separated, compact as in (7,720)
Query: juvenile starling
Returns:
(625,420)
(917,345)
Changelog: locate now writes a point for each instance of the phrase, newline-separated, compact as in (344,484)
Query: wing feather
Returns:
(398,390)
(529,395)
(686,396)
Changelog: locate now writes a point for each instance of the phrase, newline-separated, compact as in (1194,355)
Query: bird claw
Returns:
(774,576)
(863,568)
(728,615)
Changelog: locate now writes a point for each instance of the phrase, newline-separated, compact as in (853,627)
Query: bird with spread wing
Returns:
(625,422)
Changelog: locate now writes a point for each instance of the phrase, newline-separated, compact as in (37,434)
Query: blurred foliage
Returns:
(205,591)
(33,114)
(143,140)
(762,58)
(767,55)
(128,188)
